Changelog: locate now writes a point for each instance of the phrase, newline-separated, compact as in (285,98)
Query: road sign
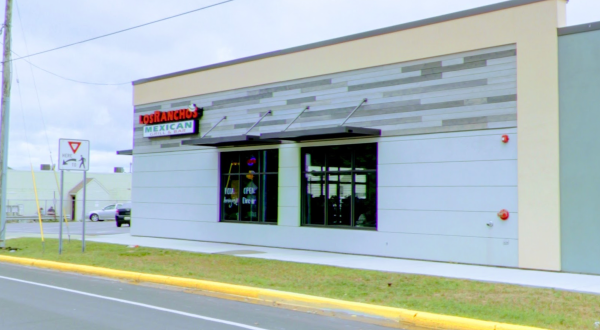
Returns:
(73,155)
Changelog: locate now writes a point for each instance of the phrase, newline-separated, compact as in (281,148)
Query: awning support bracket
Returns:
(215,125)
(353,111)
(261,118)
(298,116)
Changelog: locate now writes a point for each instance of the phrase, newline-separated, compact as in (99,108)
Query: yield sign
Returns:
(74,146)
(73,155)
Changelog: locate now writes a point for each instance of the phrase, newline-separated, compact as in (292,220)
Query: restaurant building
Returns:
(399,142)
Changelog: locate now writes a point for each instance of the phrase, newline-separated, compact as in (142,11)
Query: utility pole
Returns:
(5,117)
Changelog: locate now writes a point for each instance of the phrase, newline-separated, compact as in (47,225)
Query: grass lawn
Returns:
(543,308)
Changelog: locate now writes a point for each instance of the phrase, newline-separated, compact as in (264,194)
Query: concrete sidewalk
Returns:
(543,279)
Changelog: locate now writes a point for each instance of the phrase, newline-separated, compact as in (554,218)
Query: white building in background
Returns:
(102,189)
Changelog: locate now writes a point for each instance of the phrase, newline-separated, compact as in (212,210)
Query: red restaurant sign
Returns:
(174,122)
(174,115)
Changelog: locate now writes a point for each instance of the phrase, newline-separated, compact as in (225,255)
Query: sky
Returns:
(45,107)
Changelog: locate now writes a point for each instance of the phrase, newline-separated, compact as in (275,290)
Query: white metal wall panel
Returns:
(182,212)
(174,186)
(469,199)
(436,195)
(459,147)
(288,216)
(289,186)
(177,195)
(442,185)
(291,176)
(187,179)
(494,173)
(206,159)
(289,196)
(448,223)
(480,250)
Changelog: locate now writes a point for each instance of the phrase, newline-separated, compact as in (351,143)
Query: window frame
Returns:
(325,175)
(239,175)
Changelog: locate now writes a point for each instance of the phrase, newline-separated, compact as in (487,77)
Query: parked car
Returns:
(107,213)
(123,215)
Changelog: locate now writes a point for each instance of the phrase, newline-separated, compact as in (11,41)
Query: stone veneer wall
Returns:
(460,92)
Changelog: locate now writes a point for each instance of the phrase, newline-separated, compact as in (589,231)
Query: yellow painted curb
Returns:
(403,316)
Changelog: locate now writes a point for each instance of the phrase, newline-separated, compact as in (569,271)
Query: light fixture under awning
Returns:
(230,141)
(322,133)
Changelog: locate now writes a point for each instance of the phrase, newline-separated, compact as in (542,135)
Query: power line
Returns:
(77,81)
(65,78)
(124,30)
(95,83)
(74,80)
(37,94)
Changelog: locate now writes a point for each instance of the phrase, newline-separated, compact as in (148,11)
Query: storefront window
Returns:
(340,186)
(249,184)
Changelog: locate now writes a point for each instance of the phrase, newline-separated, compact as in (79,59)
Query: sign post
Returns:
(73,155)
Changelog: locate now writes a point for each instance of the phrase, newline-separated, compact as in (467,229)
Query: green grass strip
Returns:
(544,308)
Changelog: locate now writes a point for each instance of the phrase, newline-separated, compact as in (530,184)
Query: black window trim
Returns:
(352,172)
(222,192)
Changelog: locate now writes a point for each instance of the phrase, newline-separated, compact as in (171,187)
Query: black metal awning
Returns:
(230,141)
(125,152)
(322,133)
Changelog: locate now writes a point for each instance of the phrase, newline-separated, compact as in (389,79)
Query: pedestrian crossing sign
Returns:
(73,155)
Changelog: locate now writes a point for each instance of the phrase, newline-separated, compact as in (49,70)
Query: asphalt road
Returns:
(91,228)
(42,299)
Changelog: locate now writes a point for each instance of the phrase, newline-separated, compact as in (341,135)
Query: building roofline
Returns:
(587,27)
(362,35)
(78,186)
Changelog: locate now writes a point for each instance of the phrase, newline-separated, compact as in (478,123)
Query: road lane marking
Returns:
(235,324)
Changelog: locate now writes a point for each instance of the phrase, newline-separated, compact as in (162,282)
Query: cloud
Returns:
(104,114)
